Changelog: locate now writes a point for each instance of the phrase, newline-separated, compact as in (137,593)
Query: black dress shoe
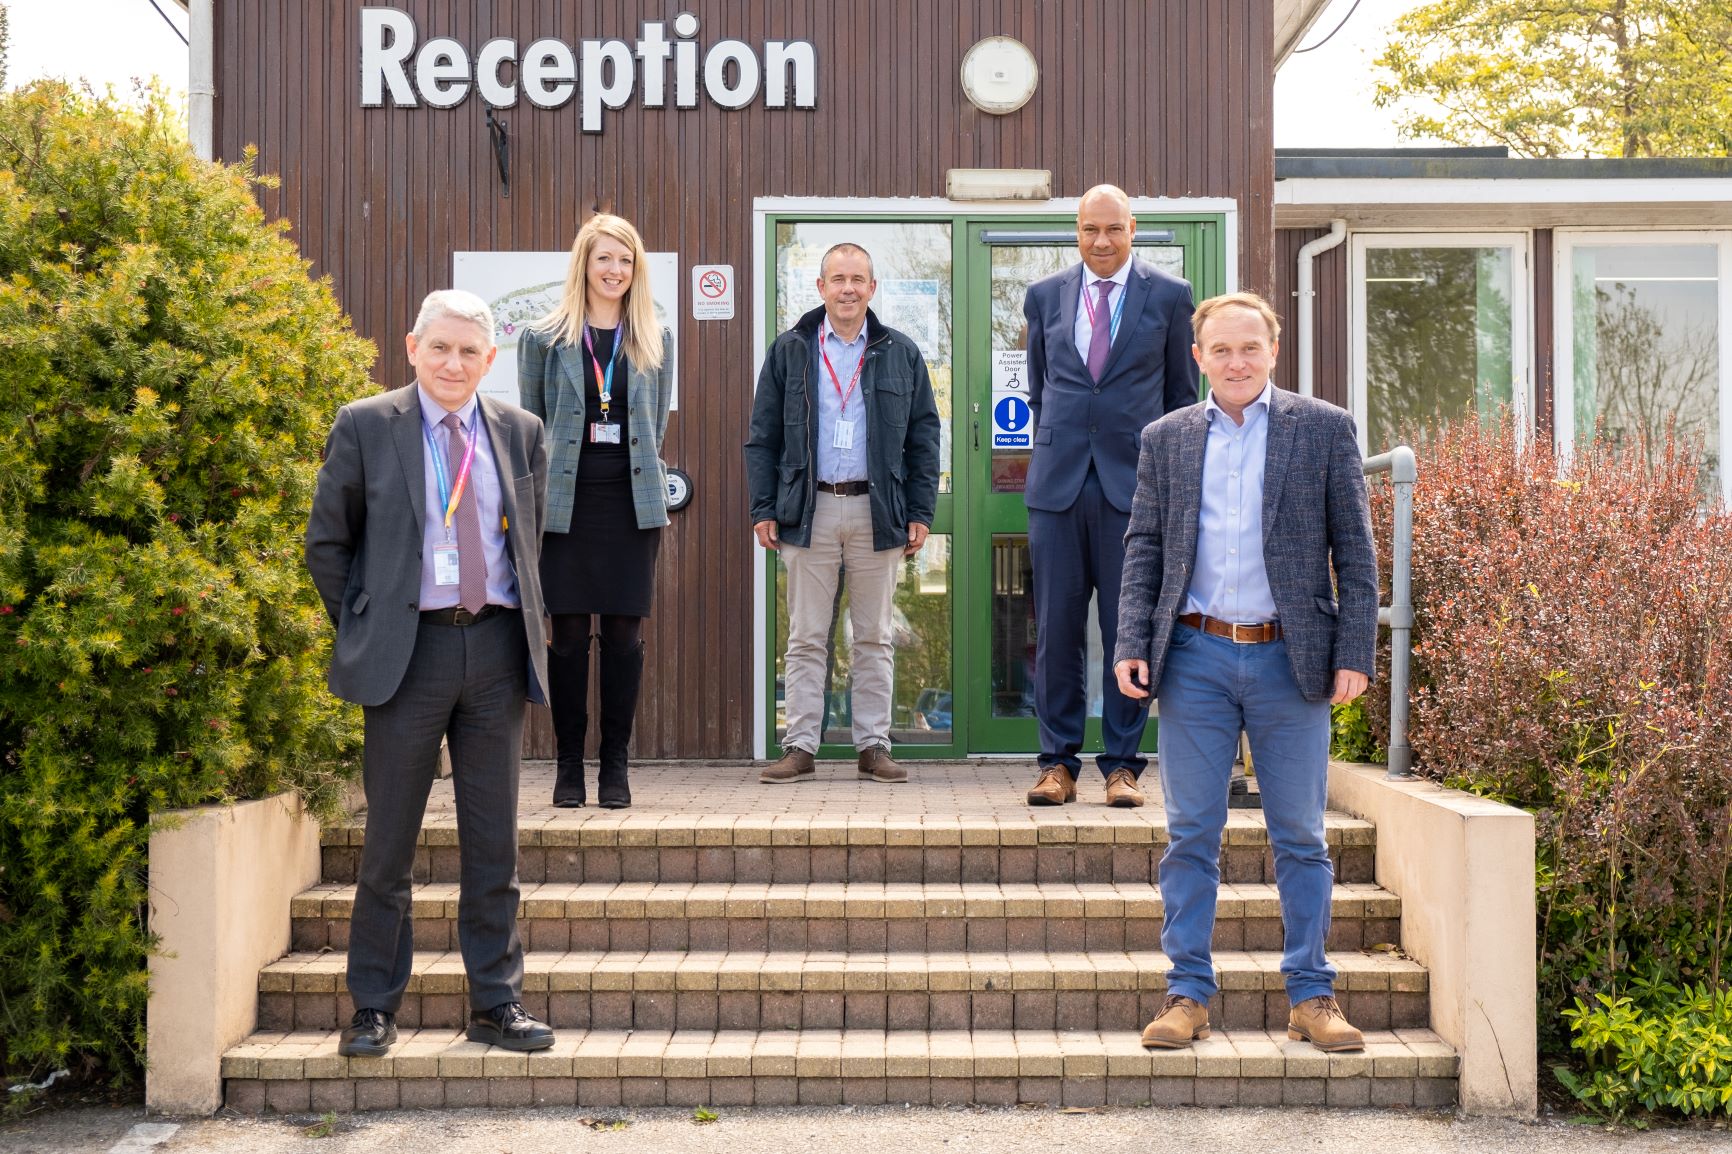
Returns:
(369,1035)
(509,1027)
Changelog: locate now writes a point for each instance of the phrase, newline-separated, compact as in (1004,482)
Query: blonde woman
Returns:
(598,371)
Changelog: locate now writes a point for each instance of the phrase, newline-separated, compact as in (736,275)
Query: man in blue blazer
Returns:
(1109,351)
(1249,602)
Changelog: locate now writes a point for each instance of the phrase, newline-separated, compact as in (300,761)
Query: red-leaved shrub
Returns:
(1571,657)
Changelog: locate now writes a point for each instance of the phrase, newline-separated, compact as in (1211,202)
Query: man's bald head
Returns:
(1104,229)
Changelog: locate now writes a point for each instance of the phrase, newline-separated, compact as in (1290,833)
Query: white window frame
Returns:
(1521,314)
(1564,244)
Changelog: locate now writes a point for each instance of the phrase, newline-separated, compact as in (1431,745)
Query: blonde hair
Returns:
(1236,301)
(643,336)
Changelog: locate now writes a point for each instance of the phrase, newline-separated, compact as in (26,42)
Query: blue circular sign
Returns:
(1010,414)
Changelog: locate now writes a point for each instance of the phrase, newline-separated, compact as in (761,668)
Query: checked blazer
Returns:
(550,384)
(1315,519)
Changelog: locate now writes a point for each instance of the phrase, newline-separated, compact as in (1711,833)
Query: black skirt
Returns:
(605,564)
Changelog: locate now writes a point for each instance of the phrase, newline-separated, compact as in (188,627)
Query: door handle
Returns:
(977,436)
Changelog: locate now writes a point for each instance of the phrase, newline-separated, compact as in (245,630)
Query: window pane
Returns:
(912,265)
(922,694)
(1438,338)
(1646,346)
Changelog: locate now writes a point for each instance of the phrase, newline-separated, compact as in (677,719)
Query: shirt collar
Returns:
(826,331)
(433,413)
(1120,278)
(1263,401)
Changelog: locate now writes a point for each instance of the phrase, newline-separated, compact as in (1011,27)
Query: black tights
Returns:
(617,633)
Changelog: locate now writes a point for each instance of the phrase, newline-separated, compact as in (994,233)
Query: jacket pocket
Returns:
(1327,605)
(1043,436)
(790,493)
(360,604)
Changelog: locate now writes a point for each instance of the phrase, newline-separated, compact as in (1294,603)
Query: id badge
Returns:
(444,564)
(844,438)
(603,433)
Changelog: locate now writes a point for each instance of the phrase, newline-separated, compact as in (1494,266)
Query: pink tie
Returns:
(1101,336)
(471,562)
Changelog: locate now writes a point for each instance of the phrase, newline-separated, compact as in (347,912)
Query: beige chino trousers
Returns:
(841,535)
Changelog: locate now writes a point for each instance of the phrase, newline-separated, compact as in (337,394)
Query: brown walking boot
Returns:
(876,763)
(1320,1021)
(794,765)
(1122,791)
(1180,1022)
(1055,787)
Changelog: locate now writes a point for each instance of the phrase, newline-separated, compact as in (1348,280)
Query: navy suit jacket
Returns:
(1077,419)
(1317,545)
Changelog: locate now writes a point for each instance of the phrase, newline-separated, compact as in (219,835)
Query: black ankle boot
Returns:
(621,675)
(568,698)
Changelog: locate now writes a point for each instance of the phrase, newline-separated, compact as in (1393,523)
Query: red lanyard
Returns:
(837,381)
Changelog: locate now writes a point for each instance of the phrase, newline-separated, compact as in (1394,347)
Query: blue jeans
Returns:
(1210,689)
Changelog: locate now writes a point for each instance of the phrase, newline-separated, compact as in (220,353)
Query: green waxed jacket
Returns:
(550,384)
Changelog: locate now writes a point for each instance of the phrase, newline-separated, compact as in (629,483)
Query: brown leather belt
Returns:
(1239,633)
(457,615)
(845,488)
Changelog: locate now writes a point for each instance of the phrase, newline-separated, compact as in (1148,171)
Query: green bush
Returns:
(1571,656)
(1676,1056)
(170,373)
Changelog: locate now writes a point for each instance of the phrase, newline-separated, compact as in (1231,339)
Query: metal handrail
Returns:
(1403,472)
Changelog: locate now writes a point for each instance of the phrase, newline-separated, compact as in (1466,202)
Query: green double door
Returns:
(964,613)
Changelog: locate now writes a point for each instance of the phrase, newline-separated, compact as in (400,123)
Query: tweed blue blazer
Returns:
(1317,544)
(550,384)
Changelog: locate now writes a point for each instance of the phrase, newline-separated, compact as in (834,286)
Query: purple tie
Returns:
(471,562)
(1101,336)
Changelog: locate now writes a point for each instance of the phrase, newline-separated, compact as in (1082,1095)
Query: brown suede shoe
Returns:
(1180,1022)
(876,763)
(1122,791)
(1320,1021)
(794,765)
(1055,787)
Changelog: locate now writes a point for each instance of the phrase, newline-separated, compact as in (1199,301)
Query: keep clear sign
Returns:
(1012,419)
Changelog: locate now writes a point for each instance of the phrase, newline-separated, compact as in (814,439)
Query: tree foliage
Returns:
(1566,77)
(170,373)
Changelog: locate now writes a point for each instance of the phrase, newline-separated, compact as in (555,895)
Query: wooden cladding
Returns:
(1328,317)
(1169,99)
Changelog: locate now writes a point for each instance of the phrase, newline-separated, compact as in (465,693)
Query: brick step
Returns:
(792,990)
(1061,845)
(858,917)
(301,1072)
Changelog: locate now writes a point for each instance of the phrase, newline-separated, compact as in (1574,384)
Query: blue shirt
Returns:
(1085,327)
(1230,582)
(838,465)
(483,489)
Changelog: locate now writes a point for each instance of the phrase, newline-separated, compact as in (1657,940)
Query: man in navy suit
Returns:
(1109,351)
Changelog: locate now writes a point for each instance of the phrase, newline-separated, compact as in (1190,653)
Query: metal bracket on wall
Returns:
(501,149)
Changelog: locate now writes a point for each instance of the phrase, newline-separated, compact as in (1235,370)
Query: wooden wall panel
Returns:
(1169,99)
(1328,320)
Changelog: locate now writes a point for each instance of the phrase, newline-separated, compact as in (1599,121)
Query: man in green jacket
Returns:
(843,467)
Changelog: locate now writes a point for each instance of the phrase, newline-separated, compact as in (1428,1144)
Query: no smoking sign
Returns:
(713,292)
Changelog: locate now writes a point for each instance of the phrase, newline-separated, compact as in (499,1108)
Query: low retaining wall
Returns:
(1464,869)
(221,881)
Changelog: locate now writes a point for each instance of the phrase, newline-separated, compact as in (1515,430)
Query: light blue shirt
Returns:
(1230,582)
(483,489)
(838,465)
(1085,328)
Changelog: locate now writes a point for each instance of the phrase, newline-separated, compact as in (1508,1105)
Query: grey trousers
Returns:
(466,684)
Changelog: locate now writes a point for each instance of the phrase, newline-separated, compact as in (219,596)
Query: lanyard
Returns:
(604,381)
(450,495)
(837,381)
(1118,310)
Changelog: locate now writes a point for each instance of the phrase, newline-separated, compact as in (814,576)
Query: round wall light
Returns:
(999,75)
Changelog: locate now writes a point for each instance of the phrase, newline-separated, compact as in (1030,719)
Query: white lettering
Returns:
(686,61)
(782,57)
(616,90)
(495,53)
(442,73)
(654,50)
(548,73)
(382,62)
(746,75)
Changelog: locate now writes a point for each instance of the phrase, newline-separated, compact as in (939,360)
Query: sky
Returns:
(1322,98)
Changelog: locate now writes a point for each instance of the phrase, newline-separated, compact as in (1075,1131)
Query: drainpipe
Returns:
(1307,300)
(201,78)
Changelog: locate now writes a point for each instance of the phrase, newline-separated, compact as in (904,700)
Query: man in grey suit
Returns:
(1231,612)
(1109,350)
(423,542)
